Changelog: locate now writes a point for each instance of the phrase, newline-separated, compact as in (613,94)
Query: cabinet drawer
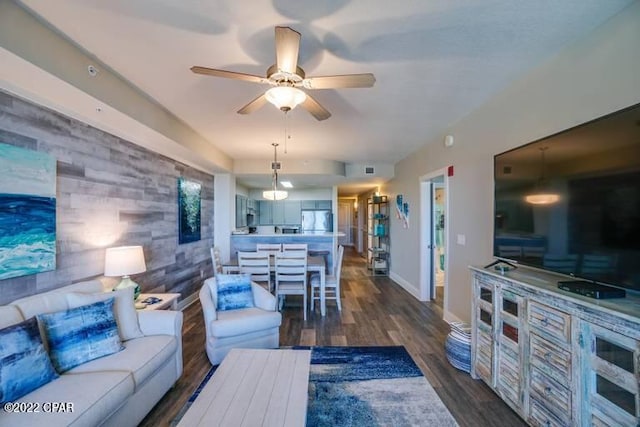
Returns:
(554,396)
(540,417)
(550,321)
(550,359)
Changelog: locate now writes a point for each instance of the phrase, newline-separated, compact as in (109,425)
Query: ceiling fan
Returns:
(286,78)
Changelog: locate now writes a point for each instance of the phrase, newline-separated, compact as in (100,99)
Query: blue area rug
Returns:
(371,386)
(364,386)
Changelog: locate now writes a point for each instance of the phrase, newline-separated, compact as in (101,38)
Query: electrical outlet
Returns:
(201,273)
(462,239)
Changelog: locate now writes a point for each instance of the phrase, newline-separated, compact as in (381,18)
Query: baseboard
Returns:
(449,317)
(188,301)
(405,285)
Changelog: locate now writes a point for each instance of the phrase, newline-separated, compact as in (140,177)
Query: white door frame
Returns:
(426,234)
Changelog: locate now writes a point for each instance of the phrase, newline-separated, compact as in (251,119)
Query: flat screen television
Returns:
(570,202)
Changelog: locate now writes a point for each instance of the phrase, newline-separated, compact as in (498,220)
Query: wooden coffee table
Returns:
(254,387)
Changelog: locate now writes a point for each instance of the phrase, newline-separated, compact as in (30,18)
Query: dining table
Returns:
(315,264)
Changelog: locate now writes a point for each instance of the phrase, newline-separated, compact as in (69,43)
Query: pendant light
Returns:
(542,194)
(274,193)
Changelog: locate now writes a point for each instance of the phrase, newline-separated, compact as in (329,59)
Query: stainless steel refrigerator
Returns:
(317,221)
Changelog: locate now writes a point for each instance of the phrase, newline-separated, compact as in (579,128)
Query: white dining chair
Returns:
(294,247)
(257,265)
(271,248)
(291,276)
(215,259)
(331,282)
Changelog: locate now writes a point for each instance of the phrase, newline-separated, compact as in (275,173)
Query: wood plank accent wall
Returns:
(110,192)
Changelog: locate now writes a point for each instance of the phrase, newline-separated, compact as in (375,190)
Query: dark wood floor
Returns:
(375,311)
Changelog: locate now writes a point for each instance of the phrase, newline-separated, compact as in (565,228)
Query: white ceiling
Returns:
(435,61)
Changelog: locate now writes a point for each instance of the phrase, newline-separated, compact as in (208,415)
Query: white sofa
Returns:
(255,327)
(115,390)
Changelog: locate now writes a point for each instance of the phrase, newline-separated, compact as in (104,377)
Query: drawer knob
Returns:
(547,423)
(547,357)
(547,391)
(544,321)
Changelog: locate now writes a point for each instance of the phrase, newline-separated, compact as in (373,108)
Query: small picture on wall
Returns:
(402,210)
(27,212)
(189,201)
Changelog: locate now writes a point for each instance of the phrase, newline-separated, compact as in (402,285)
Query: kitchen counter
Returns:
(294,235)
(317,242)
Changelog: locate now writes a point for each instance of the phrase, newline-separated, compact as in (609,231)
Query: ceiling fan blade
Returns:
(253,105)
(287,47)
(336,82)
(228,74)
(316,110)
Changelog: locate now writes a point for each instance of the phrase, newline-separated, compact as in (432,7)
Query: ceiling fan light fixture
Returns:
(285,98)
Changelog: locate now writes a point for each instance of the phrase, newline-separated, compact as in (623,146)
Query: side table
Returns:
(168,301)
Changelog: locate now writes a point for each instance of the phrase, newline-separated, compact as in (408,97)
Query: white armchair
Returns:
(255,327)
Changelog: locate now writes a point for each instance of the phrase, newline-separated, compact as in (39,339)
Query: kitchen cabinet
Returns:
(252,206)
(265,212)
(292,212)
(323,204)
(277,212)
(241,211)
(316,204)
(281,212)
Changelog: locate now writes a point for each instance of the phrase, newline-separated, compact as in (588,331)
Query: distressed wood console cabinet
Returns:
(558,359)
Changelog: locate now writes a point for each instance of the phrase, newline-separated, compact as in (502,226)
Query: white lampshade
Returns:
(285,97)
(124,261)
(275,194)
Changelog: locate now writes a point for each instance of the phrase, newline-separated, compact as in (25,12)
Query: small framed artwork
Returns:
(27,212)
(189,201)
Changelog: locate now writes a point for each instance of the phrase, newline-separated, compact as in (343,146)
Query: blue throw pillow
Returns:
(234,291)
(24,363)
(81,334)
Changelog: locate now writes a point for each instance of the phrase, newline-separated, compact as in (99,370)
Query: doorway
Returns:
(434,237)
(345,213)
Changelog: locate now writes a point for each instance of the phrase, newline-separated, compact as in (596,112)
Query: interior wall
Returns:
(597,75)
(110,192)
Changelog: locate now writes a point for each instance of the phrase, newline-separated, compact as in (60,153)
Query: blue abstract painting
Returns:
(27,212)
(188,211)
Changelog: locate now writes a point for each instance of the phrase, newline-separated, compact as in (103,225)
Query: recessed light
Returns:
(286,184)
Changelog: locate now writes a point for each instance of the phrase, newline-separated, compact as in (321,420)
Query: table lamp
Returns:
(124,261)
